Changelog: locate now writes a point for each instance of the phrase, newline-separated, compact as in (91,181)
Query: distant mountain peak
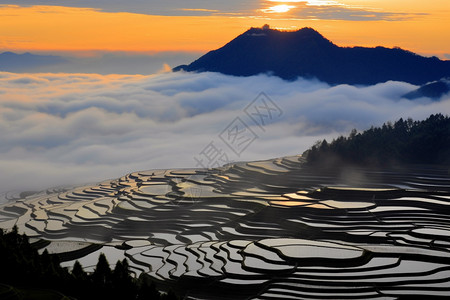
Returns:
(307,53)
(13,62)
(303,34)
(267,28)
(433,90)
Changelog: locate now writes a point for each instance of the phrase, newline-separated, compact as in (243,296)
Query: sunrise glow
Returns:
(278,8)
(263,149)
(348,23)
(309,2)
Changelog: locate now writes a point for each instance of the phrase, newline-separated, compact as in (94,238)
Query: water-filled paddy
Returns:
(271,229)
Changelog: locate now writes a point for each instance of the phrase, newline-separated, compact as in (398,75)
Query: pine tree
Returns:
(78,272)
(102,272)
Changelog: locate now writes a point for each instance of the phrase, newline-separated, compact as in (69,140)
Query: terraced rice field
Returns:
(272,229)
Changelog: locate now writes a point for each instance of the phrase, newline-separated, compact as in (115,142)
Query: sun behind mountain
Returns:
(306,53)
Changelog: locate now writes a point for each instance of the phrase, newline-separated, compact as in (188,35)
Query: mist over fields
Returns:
(59,129)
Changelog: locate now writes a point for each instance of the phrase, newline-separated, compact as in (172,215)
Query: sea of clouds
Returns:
(60,129)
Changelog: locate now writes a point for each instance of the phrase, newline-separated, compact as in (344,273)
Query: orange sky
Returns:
(419,27)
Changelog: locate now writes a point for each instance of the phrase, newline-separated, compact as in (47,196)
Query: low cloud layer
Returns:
(59,129)
(97,62)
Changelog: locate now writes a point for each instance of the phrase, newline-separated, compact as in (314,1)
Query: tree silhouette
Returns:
(416,142)
(78,272)
(21,265)
(102,272)
(122,281)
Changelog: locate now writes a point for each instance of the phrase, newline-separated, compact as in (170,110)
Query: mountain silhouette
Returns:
(433,90)
(12,62)
(306,53)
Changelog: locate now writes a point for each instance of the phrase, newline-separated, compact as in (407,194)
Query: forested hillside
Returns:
(405,141)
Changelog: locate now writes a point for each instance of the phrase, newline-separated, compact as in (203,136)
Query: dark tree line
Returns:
(23,268)
(402,142)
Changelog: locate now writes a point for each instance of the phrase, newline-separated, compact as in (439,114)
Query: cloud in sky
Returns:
(304,9)
(152,7)
(77,128)
(332,10)
(340,12)
(45,28)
